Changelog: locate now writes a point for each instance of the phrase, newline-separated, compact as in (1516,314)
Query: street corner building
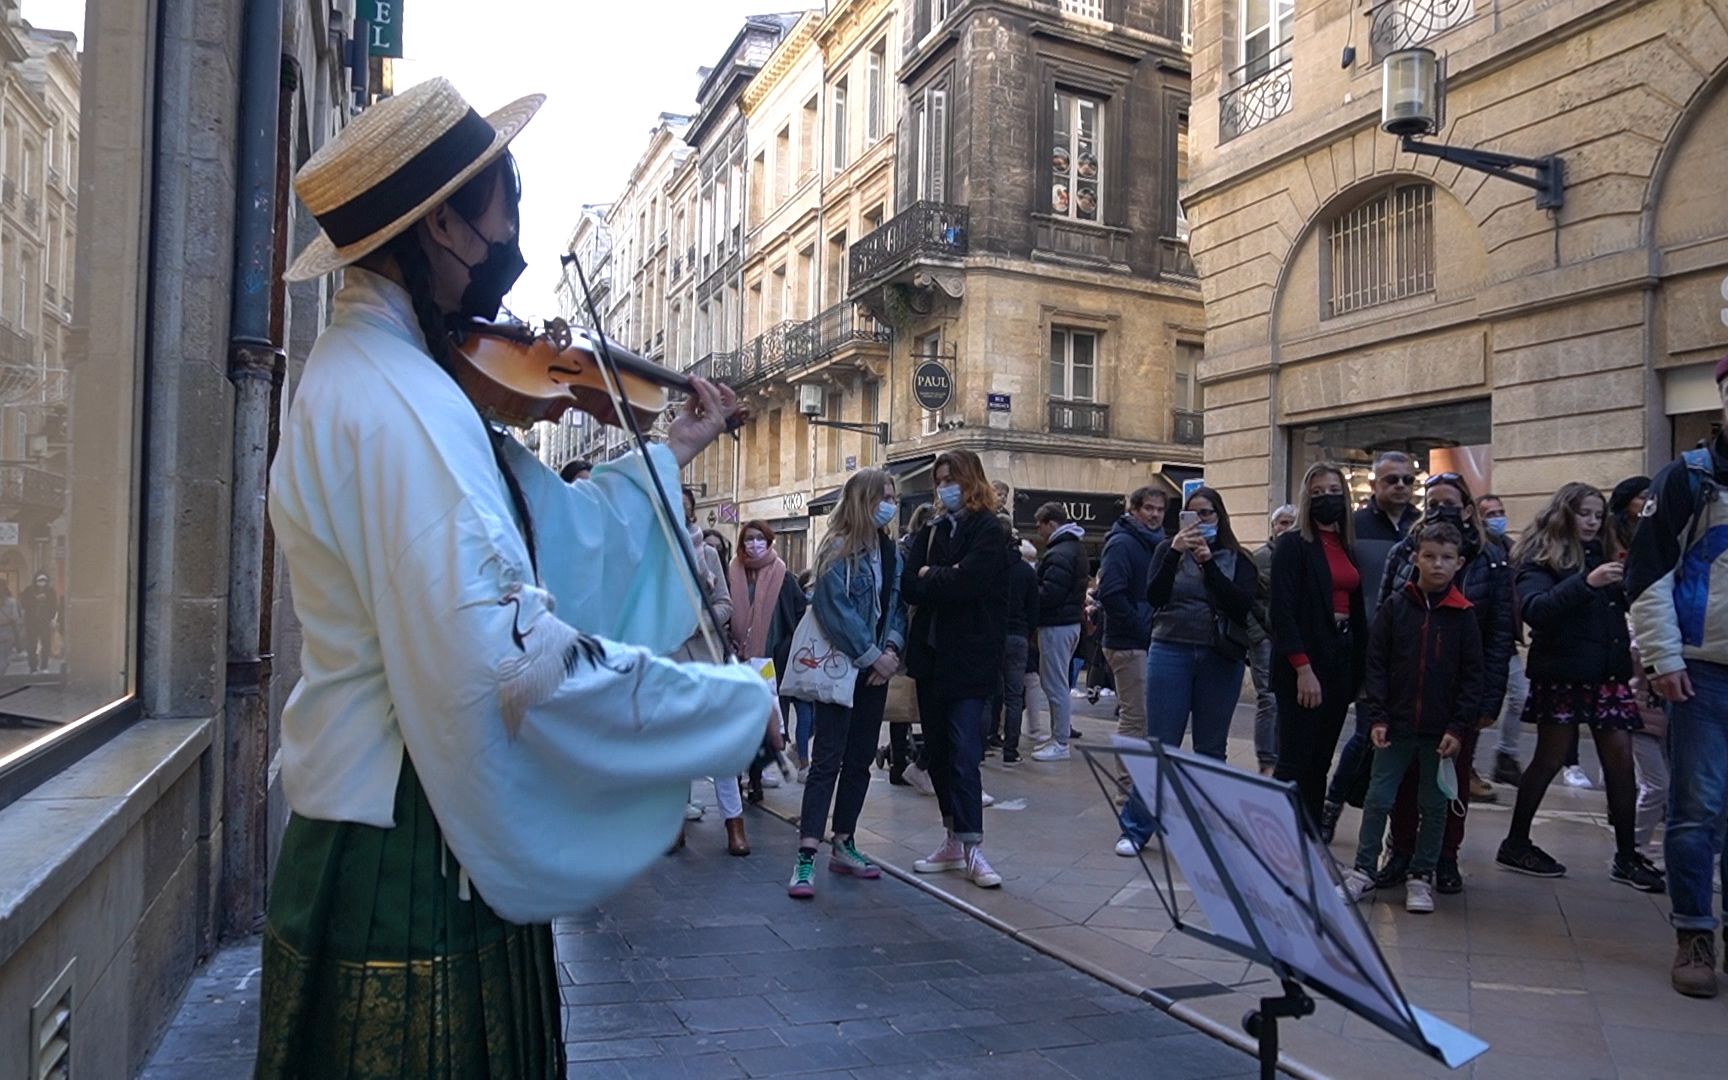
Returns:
(982,191)
(146,346)
(1362,298)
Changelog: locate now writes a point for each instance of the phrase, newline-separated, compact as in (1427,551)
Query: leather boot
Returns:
(1695,964)
(736,844)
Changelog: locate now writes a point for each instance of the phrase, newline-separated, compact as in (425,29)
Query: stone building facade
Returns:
(135,815)
(1036,249)
(1360,298)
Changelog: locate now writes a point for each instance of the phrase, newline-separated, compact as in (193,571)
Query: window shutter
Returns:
(939,145)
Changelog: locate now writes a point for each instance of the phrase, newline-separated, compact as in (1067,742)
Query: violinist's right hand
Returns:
(701,420)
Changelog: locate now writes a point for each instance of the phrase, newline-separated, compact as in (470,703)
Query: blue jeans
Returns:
(805,712)
(1697,796)
(1184,681)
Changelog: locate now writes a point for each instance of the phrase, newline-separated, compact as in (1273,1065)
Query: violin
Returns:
(518,376)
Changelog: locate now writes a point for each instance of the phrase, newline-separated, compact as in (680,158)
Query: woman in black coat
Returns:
(1571,595)
(1319,633)
(956,577)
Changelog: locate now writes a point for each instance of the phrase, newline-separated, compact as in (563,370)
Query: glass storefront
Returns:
(74,112)
(1442,438)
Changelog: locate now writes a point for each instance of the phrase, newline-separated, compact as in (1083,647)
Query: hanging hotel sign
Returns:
(385,17)
(932,385)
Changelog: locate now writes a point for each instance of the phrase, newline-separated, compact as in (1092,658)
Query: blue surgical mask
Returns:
(1496,525)
(885,511)
(950,496)
(1208,533)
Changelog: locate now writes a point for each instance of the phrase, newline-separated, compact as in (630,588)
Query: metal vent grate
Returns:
(51,1030)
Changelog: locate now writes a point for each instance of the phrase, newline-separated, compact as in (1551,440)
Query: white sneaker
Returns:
(1356,885)
(1575,776)
(920,780)
(1419,896)
(692,812)
(978,871)
(950,856)
(770,778)
(803,774)
(1127,848)
(1054,751)
(989,799)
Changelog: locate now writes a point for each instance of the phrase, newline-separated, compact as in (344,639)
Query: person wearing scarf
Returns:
(766,606)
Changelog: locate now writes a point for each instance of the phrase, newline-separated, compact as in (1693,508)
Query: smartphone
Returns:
(1189,519)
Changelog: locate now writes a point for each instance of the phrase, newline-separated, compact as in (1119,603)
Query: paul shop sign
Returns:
(1092,512)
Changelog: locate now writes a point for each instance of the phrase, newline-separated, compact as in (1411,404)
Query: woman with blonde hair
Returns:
(857,606)
(1319,632)
(956,574)
(1569,583)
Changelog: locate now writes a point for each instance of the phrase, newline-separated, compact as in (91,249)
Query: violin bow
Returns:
(700,598)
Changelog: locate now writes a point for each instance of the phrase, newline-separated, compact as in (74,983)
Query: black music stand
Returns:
(1268,889)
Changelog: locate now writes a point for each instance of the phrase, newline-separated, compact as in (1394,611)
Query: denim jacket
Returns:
(848,603)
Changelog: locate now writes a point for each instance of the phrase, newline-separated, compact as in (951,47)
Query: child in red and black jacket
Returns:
(1420,697)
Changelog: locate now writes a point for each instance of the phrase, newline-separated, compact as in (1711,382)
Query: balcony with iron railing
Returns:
(843,329)
(925,232)
(1257,93)
(1187,427)
(720,367)
(1405,24)
(17,348)
(1079,418)
(784,345)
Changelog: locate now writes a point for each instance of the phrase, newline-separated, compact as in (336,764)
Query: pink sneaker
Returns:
(978,871)
(950,856)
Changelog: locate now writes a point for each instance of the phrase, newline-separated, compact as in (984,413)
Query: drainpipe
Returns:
(255,363)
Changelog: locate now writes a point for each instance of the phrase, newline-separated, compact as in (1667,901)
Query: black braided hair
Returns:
(416,271)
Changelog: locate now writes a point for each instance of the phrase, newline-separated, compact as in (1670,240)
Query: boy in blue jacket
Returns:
(1419,700)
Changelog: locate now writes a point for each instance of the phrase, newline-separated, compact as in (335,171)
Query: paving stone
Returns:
(809,1057)
(726,1014)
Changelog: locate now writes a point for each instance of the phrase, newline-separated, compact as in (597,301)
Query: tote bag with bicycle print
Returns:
(816,670)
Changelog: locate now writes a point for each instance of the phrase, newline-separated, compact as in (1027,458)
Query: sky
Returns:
(608,69)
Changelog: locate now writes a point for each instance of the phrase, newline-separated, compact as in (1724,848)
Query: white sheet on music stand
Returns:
(1183,844)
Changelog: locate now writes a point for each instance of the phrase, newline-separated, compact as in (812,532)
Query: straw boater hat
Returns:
(392,165)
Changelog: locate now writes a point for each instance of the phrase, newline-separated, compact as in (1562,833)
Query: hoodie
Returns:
(1062,575)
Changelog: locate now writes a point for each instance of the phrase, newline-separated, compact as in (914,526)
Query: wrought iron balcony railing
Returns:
(1405,24)
(1187,427)
(16,347)
(922,229)
(841,325)
(783,345)
(720,367)
(1259,93)
(1079,418)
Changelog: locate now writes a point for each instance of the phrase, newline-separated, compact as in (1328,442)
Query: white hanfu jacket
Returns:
(556,759)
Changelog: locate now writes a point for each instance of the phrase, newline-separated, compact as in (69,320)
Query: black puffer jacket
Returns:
(1578,633)
(961,624)
(1486,581)
(1424,674)
(1063,571)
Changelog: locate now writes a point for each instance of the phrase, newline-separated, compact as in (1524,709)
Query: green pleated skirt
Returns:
(374,966)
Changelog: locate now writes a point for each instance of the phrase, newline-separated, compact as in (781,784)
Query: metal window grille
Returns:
(1092,9)
(1383,250)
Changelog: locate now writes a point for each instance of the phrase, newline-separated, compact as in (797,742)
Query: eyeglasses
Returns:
(1442,478)
(1401,479)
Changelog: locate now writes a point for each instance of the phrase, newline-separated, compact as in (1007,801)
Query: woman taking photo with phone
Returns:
(957,577)
(1569,578)
(857,606)
(1319,632)
(1202,585)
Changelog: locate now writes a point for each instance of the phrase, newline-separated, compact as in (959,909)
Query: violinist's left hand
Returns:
(701,420)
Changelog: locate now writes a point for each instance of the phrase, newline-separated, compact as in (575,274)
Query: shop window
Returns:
(1076,158)
(1073,364)
(71,333)
(1381,251)
(1456,437)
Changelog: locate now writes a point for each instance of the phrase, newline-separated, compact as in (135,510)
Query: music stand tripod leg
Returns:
(1262,1023)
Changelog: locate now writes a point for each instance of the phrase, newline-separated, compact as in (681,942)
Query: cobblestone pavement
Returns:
(704,968)
(1564,978)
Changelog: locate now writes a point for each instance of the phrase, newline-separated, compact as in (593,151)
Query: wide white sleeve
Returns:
(556,762)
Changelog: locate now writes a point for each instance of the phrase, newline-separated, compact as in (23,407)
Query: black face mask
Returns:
(491,279)
(1329,509)
(1448,513)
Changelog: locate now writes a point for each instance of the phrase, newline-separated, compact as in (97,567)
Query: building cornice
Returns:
(781,62)
(847,23)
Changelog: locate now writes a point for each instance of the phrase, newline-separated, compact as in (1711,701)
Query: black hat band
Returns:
(415,181)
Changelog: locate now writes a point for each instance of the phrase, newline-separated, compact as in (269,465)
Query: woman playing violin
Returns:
(485,735)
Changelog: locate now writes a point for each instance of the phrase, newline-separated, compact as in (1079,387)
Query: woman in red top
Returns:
(1319,633)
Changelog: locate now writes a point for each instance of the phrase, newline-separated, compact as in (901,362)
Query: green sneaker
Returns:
(803,883)
(846,859)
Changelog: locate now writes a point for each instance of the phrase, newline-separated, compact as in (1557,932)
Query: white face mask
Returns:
(755,548)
